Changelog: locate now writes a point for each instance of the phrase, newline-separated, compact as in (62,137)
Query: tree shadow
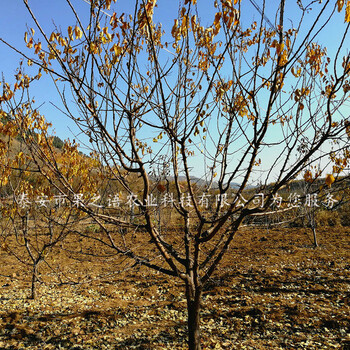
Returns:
(51,328)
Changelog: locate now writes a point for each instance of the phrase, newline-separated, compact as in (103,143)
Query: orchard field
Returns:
(273,290)
(184,122)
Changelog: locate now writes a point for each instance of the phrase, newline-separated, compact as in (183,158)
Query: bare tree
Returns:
(30,238)
(33,219)
(241,103)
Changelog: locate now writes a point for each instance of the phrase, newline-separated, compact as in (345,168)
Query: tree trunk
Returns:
(313,227)
(315,236)
(34,279)
(193,296)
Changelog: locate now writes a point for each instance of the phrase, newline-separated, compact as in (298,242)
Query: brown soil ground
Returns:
(272,291)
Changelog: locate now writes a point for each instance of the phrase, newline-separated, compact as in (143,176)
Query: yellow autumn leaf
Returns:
(37,48)
(52,37)
(20,156)
(329,179)
(4,181)
(70,33)
(78,32)
(347,12)
(308,176)
(184,25)
(30,43)
(217,25)
(107,4)
(93,48)
(279,48)
(62,41)
(4,247)
(175,28)
(340,4)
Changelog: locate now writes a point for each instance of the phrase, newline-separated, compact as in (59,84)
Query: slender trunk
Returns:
(313,227)
(193,296)
(34,279)
(315,236)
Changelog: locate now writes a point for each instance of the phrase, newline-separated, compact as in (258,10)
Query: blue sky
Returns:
(14,19)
